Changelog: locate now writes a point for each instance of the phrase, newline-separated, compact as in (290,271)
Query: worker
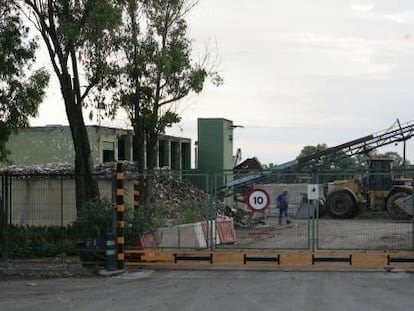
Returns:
(283,204)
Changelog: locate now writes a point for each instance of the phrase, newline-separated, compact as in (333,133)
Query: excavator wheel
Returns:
(393,209)
(341,204)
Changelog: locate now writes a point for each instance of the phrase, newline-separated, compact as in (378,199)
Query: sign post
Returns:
(313,197)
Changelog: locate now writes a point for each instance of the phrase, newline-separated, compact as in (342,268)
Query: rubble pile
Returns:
(39,169)
(243,217)
(178,194)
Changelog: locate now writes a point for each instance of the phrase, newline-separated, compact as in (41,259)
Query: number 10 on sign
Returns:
(258,200)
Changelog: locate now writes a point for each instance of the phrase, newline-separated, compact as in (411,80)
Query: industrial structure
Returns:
(377,190)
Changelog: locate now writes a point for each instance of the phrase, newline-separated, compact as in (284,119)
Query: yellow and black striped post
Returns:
(136,193)
(120,209)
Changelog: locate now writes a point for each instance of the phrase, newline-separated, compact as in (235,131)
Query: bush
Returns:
(95,220)
(191,212)
(138,223)
(38,241)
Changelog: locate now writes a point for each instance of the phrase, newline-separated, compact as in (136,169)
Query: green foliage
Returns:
(94,220)
(156,69)
(191,212)
(38,241)
(398,160)
(332,161)
(341,161)
(139,222)
(160,215)
(20,94)
(309,150)
(78,37)
(269,166)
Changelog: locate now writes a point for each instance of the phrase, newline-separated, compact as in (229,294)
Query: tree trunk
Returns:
(152,140)
(139,143)
(139,153)
(86,185)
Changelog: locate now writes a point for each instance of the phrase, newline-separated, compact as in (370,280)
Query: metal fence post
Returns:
(412,219)
(5,213)
(61,202)
(3,221)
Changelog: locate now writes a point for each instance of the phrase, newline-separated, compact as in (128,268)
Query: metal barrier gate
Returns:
(268,248)
(206,234)
(258,241)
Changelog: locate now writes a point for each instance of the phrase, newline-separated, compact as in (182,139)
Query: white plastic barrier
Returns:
(182,236)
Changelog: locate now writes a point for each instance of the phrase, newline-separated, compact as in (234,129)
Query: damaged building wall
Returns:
(53,144)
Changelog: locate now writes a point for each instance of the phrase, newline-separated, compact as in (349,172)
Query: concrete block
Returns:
(182,236)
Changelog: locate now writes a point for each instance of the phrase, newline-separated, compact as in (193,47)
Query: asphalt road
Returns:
(214,290)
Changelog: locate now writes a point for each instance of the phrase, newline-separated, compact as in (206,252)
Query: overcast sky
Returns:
(297,73)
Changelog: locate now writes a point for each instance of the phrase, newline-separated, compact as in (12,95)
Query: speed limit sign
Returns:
(258,200)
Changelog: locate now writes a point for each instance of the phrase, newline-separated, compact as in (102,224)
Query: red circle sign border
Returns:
(248,200)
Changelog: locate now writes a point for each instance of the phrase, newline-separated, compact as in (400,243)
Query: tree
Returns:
(340,160)
(20,95)
(309,150)
(336,160)
(157,72)
(269,166)
(78,37)
(398,161)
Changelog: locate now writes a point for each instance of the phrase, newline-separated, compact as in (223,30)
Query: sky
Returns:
(296,73)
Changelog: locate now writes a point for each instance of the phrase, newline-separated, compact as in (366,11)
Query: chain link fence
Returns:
(204,210)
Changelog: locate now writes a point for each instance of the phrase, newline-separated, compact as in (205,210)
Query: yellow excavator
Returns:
(376,191)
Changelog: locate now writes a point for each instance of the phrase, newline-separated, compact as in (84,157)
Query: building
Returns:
(214,154)
(215,144)
(53,144)
(51,201)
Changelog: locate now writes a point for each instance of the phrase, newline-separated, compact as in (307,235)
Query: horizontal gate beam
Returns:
(193,258)
(261,259)
(269,259)
(399,259)
(331,259)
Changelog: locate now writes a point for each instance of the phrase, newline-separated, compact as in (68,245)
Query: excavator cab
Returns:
(378,175)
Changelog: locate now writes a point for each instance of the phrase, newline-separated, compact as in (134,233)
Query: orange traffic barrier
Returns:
(146,242)
(210,232)
(225,230)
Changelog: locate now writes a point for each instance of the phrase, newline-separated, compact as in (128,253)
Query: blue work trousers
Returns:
(283,213)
